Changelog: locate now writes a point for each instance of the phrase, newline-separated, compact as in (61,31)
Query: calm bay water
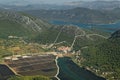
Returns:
(105,27)
(70,71)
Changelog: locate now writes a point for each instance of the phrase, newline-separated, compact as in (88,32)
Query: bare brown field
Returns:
(34,65)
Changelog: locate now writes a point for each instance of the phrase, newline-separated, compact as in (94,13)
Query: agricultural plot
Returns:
(34,65)
(5,72)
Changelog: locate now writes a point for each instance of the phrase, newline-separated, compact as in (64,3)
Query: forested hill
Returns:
(81,15)
(104,58)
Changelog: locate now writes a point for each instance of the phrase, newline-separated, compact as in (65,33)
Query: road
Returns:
(88,36)
(58,69)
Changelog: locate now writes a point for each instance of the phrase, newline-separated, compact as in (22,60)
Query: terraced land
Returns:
(34,65)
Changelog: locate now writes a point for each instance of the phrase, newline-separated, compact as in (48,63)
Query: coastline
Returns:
(58,69)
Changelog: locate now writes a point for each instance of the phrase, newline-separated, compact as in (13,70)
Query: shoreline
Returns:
(58,69)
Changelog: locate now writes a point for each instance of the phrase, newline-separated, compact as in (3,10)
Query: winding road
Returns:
(58,69)
(88,36)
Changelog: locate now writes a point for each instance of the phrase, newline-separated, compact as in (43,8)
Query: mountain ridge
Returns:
(98,5)
(10,21)
(77,15)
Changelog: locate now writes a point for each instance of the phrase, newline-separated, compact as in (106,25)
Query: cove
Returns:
(71,71)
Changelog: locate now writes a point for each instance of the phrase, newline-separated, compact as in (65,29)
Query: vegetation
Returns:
(18,46)
(20,25)
(98,54)
(29,78)
(49,36)
(103,58)
(68,33)
(10,28)
(71,71)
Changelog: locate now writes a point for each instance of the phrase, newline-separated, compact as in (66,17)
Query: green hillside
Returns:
(97,50)
(20,25)
(68,33)
(10,28)
(36,30)
(104,58)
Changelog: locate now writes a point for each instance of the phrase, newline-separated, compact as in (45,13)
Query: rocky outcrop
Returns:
(27,22)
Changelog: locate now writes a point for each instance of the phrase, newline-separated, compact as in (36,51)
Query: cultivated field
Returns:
(34,65)
(5,72)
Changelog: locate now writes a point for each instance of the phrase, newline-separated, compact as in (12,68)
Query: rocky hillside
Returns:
(18,24)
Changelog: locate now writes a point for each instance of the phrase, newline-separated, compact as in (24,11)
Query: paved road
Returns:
(58,69)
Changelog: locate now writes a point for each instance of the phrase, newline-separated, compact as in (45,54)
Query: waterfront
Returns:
(71,71)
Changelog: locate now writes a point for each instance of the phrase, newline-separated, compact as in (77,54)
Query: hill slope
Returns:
(78,15)
(18,24)
(103,58)
(22,25)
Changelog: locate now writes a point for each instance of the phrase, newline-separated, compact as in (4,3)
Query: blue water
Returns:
(104,27)
(71,71)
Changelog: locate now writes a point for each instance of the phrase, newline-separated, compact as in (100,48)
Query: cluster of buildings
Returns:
(64,49)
